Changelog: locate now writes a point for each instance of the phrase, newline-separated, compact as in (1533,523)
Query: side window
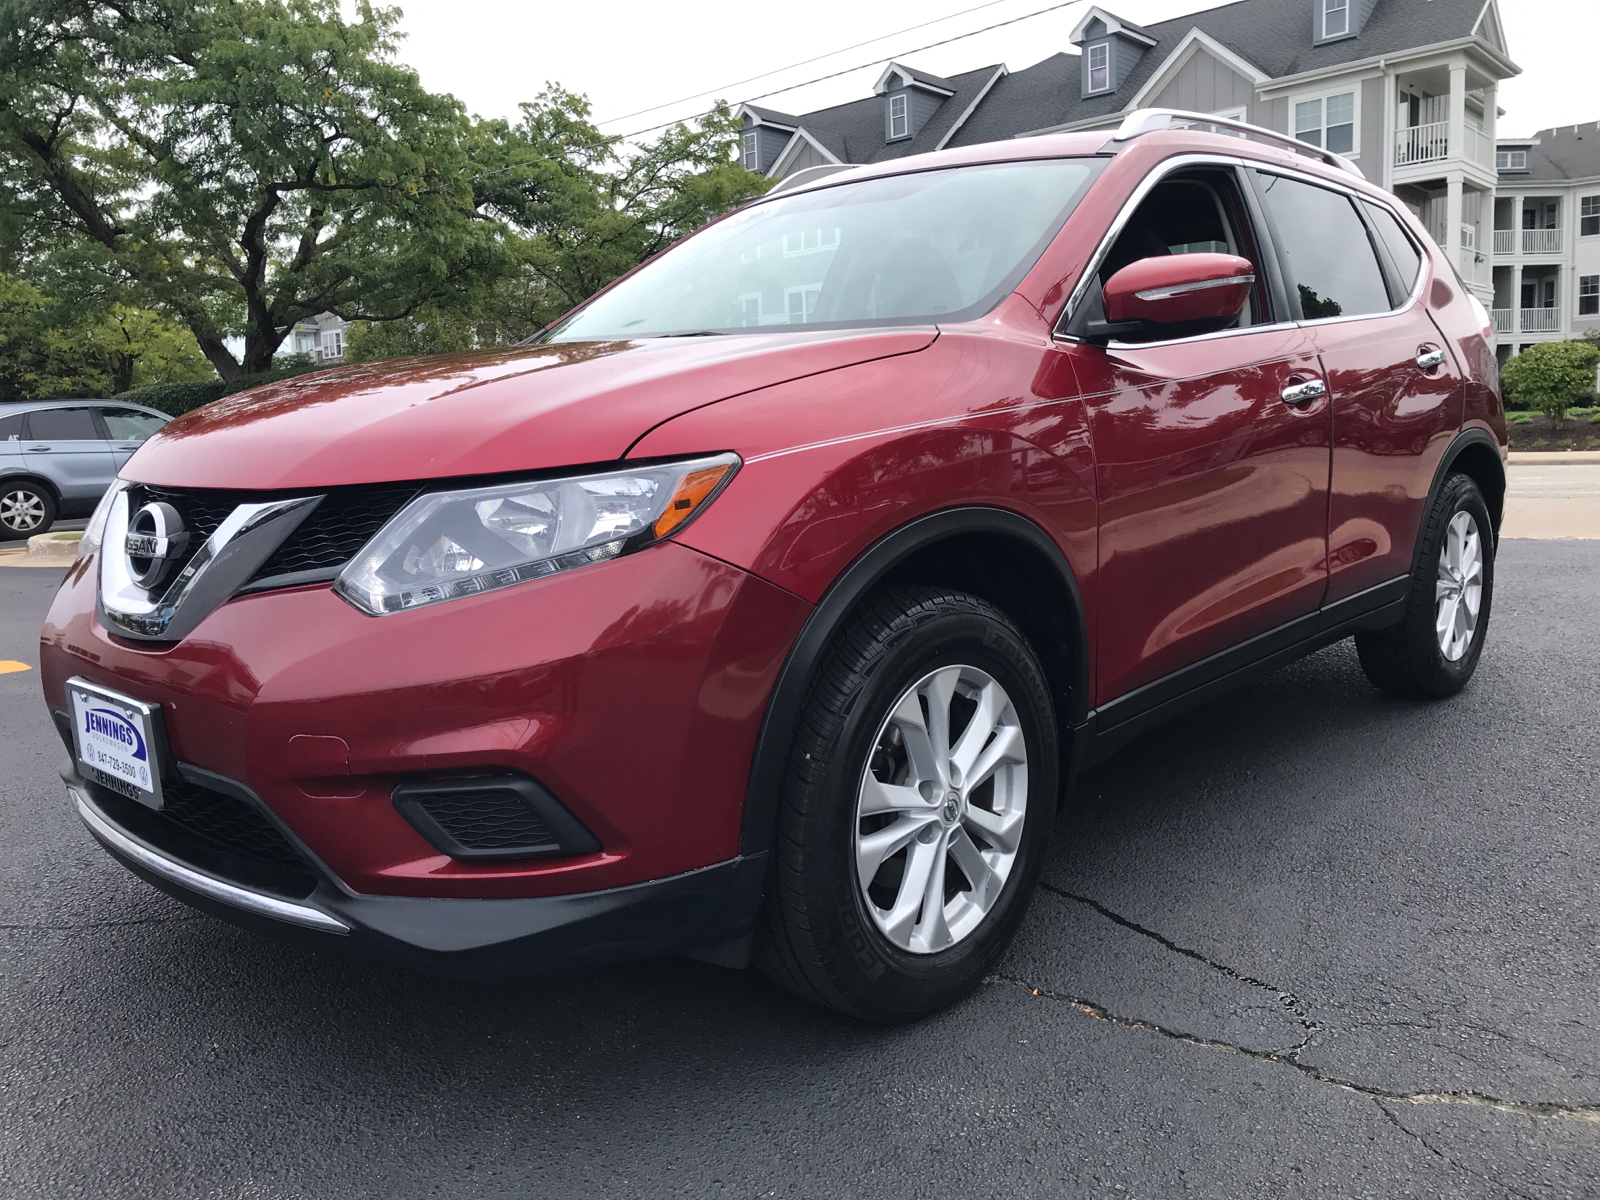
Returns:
(10,427)
(1199,212)
(129,424)
(1331,262)
(1407,258)
(62,425)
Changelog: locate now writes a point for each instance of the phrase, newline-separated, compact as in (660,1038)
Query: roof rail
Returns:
(1153,120)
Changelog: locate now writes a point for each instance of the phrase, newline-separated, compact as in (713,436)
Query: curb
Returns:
(1554,457)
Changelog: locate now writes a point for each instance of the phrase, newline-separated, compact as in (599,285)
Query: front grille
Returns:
(216,833)
(329,537)
(490,822)
(336,529)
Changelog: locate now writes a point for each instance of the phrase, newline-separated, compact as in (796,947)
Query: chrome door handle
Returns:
(1304,393)
(1429,359)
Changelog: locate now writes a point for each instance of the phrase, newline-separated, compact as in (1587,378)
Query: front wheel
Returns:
(916,810)
(1434,650)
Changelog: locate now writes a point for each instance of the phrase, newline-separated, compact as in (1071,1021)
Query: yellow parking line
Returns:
(8,665)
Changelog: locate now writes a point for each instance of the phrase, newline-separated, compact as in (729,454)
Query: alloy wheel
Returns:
(21,511)
(941,808)
(1458,591)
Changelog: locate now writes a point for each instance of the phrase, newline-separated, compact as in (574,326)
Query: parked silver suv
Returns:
(57,457)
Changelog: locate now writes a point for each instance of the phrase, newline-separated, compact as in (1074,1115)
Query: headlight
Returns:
(448,544)
(96,528)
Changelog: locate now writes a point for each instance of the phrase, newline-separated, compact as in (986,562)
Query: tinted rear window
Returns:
(10,427)
(1407,258)
(1331,261)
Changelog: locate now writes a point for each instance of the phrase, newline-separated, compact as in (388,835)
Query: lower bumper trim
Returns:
(198,882)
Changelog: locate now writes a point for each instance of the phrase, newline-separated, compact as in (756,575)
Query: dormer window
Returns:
(899,117)
(1510,160)
(1100,67)
(1335,18)
(751,158)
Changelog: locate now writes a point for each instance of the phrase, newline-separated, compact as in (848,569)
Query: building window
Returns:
(1589,216)
(1589,295)
(1335,18)
(899,117)
(810,241)
(1510,160)
(752,155)
(333,344)
(1100,67)
(1328,122)
(800,302)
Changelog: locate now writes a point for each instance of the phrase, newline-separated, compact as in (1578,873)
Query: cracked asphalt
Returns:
(1308,941)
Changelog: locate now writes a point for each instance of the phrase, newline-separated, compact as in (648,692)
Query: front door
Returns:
(65,446)
(1212,468)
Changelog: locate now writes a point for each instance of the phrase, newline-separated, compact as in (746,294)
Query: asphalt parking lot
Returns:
(1307,941)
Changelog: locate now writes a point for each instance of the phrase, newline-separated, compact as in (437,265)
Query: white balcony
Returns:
(1480,147)
(1422,144)
(1505,242)
(1541,241)
(1541,320)
(1503,320)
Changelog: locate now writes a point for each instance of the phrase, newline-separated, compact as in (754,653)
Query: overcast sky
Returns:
(627,56)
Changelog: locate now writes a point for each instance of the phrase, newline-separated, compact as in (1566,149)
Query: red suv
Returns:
(767,604)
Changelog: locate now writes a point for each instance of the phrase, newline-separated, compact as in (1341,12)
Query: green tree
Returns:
(242,165)
(587,207)
(1552,376)
(49,349)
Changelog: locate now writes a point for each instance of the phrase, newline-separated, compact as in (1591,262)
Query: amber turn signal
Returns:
(691,493)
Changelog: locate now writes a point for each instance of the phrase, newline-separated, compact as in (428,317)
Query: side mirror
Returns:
(1178,294)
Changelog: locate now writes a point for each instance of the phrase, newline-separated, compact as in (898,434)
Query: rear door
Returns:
(1396,390)
(65,446)
(1212,467)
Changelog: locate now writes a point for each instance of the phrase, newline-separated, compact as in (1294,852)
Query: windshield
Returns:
(931,246)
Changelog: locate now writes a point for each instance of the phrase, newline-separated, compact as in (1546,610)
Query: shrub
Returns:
(1552,376)
(176,399)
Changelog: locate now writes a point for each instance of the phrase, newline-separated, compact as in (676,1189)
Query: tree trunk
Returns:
(121,373)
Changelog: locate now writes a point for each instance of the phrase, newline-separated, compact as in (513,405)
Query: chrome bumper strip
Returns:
(205,885)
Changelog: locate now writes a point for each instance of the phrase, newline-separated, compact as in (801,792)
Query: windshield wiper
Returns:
(691,333)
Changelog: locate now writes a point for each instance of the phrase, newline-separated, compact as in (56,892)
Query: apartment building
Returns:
(1546,237)
(1405,89)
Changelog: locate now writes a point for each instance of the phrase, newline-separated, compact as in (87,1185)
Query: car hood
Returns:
(523,408)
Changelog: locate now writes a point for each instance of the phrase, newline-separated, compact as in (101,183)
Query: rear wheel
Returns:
(916,809)
(1434,650)
(25,509)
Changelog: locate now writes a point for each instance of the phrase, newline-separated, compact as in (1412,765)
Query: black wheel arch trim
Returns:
(870,568)
(1474,436)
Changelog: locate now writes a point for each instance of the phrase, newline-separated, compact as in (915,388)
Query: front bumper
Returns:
(711,908)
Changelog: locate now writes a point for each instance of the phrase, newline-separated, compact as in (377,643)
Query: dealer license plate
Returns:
(117,740)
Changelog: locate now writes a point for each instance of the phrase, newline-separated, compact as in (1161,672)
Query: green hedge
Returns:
(179,398)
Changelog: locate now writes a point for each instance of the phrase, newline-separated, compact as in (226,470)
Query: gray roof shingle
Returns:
(854,132)
(1563,153)
(1273,35)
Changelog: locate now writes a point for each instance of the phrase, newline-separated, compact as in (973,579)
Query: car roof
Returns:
(11,407)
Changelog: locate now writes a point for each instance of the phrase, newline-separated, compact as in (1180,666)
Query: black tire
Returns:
(1407,660)
(25,496)
(815,936)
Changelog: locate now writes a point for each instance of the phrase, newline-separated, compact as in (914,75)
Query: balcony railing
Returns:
(1422,144)
(1505,241)
(1480,148)
(1502,320)
(1541,241)
(1541,320)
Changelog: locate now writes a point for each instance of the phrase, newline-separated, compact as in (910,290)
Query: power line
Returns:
(885,58)
(805,62)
